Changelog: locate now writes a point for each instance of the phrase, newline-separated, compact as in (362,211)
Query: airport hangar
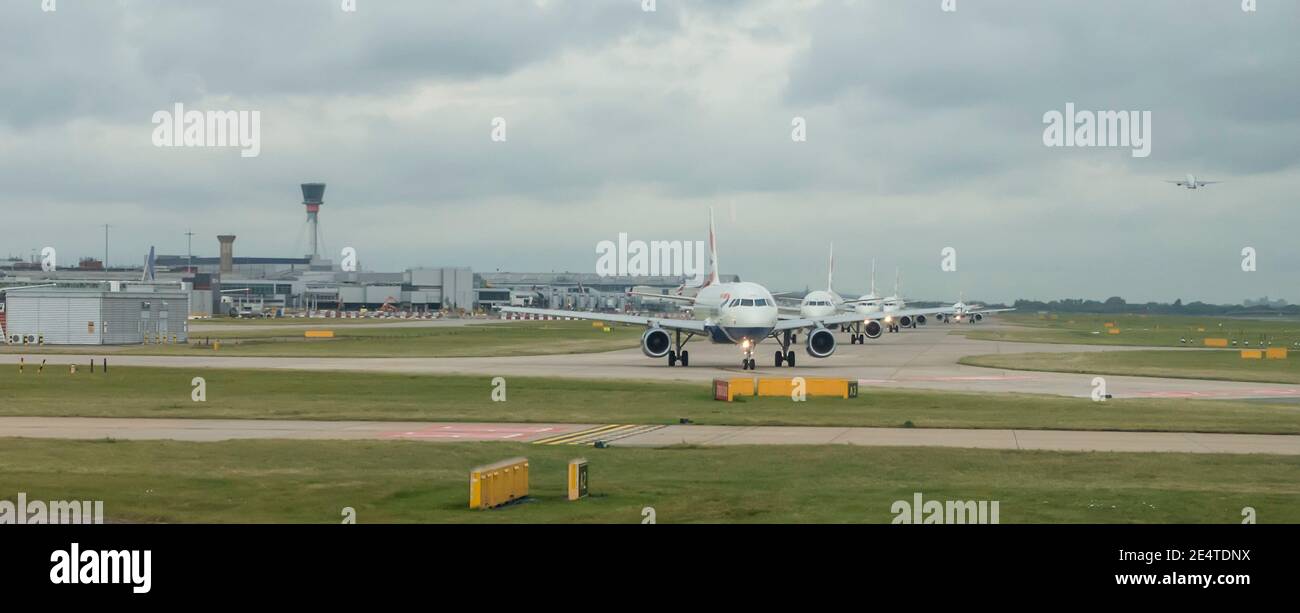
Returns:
(89,304)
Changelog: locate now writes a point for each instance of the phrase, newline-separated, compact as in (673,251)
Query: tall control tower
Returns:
(312,197)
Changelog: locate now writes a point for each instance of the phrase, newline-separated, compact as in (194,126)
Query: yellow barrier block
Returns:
(742,386)
(1200,329)
(497,484)
(216,346)
(1276,353)
(577,478)
(598,324)
(1216,342)
(1114,331)
(319,334)
(1109,324)
(1252,354)
(844,388)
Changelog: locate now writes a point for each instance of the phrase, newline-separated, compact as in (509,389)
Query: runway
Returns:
(924,358)
(630,435)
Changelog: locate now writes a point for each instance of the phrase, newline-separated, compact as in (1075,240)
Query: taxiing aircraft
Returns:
(741,313)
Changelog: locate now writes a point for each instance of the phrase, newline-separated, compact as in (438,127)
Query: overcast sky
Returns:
(924,131)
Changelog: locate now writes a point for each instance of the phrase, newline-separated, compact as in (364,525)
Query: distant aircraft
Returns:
(1191,182)
(890,310)
(822,303)
(741,313)
(970,313)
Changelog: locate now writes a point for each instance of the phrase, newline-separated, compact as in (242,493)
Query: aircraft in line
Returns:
(970,313)
(891,310)
(1191,182)
(740,313)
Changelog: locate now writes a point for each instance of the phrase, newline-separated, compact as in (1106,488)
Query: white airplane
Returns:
(891,310)
(818,304)
(971,313)
(1191,182)
(740,313)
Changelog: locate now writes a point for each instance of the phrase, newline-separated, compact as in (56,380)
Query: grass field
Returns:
(313,322)
(475,340)
(1225,365)
(248,394)
(1141,330)
(312,481)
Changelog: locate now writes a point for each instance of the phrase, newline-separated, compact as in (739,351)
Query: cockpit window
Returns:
(746,302)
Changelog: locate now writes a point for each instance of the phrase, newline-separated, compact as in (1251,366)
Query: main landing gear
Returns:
(784,355)
(856,337)
(680,355)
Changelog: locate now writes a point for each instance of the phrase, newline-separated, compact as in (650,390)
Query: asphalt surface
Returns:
(924,358)
(206,430)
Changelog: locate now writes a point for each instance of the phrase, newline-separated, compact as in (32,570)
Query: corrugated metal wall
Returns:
(62,320)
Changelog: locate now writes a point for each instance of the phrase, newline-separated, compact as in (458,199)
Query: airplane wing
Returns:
(662,296)
(1207,182)
(991,310)
(693,325)
(1178,183)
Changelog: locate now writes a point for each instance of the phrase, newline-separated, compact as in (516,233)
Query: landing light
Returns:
(744,344)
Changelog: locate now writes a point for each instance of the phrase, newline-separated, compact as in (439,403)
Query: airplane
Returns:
(821,303)
(890,310)
(1191,182)
(740,313)
(972,313)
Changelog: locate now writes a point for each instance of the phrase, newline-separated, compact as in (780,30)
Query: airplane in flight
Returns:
(1191,182)
(740,313)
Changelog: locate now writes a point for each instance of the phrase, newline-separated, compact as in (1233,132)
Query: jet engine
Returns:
(821,343)
(977,317)
(905,321)
(655,343)
(920,320)
(873,329)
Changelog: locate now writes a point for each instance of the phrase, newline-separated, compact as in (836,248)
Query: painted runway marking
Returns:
(481,432)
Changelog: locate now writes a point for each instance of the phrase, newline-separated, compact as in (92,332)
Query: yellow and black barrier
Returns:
(1216,342)
(1252,354)
(577,479)
(497,484)
(729,389)
(1275,353)
(318,334)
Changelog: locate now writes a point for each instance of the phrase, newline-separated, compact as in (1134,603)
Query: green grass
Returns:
(279,394)
(1137,330)
(1222,365)
(312,481)
(479,340)
(314,322)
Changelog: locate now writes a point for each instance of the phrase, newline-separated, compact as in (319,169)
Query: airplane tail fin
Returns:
(873,276)
(713,253)
(149,272)
(830,271)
